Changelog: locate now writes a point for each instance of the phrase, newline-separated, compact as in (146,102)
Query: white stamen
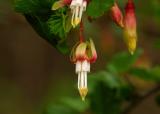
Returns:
(84,5)
(73,16)
(77,11)
(86,66)
(77,7)
(78,66)
(82,9)
(85,79)
(82,68)
(79,79)
(82,80)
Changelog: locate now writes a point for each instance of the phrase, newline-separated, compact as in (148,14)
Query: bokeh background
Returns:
(34,75)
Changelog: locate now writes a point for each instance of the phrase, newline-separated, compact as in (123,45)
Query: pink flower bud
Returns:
(130,33)
(117,15)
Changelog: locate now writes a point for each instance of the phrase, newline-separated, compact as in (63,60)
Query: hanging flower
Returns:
(130,33)
(77,8)
(117,15)
(82,55)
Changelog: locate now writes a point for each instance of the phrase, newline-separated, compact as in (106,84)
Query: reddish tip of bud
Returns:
(117,15)
(130,6)
(130,19)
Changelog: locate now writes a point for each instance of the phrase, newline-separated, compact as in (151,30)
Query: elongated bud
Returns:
(130,32)
(117,15)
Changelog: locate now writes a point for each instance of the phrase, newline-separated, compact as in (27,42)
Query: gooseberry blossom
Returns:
(130,33)
(116,14)
(83,54)
(77,8)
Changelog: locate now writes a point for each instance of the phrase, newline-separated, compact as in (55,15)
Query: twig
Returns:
(140,99)
(81,28)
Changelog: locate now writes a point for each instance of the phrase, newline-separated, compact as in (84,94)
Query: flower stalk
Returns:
(83,54)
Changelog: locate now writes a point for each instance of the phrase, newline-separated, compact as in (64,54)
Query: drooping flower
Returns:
(116,15)
(130,32)
(77,8)
(82,55)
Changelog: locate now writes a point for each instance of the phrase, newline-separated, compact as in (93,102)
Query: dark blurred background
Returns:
(34,74)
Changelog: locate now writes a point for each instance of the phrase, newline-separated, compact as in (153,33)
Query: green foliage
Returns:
(108,89)
(106,94)
(147,74)
(75,104)
(157,99)
(122,62)
(54,26)
(59,109)
(98,7)
(58,24)
(33,6)
(38,13)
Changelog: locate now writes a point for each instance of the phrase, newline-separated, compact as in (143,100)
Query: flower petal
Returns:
(91,52)
(81,51)
(57,5)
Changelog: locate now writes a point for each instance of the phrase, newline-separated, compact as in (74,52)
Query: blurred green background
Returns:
(36,79)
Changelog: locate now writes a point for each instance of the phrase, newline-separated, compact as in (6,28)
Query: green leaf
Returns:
(146,74)
(57,24)
(59,109)
(156,44)
(75,104)
(107,92)
(104,100)
(26,6)
(157,99)
(110,80)
(50,25)
(97,8)
(122,62)
(32,6)
(42,28)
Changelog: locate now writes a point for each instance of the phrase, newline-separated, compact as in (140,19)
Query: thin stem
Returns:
(81,28)
(140,99)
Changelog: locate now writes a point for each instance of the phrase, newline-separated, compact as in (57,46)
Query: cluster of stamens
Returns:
(82,68)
